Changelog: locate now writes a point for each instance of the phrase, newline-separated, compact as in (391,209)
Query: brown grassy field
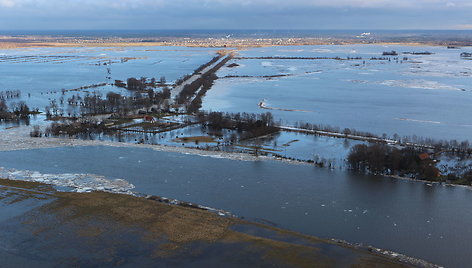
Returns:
(100,228)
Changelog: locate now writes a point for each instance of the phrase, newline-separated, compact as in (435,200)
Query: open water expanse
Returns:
(44,72)
(429,222)
(424,95)
(407,97)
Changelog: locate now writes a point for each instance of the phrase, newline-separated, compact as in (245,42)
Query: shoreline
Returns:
(20,185)
(43,143)
(17,139)
(467,187)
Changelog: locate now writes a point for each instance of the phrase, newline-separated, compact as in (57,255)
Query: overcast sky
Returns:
(234,14)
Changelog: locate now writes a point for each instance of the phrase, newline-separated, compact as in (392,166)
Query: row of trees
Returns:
(203,66)
(204,83)
(80,127)
(181,80)
(142,84)
(299,58)
(194,105)
(329,128)
(189,90)
(10,94)
(462,148)
(94,103)
(18,111)
(389,59)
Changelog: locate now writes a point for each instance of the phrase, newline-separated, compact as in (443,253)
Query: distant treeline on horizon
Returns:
(421,34)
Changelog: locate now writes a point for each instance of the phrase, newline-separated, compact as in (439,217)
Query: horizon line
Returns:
(234,29)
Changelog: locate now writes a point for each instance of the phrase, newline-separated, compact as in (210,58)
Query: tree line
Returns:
(203,66)
(18,110)
(248,125)
(204,83)
(95,103)
(384,159)
(408,161)
(83,128)
(10,94)
(458,147)
(142,83)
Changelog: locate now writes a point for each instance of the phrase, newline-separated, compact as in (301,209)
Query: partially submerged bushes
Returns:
(408,161)
(18,111)
(246,125)
(95,103)
(384,159)
(36,132)
(249,125)
(463,147)
(75,128)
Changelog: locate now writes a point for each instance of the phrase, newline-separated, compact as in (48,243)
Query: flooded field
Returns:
(305,147)
(41,73)
(291,145)
(353,86)
(386,90)
(408,94)
(410,217)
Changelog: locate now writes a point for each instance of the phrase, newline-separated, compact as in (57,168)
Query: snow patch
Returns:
(421,84)
(79,182)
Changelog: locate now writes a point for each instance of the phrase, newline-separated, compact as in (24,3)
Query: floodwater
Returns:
(41,73)
(287,144)
(307,147)
(40,227)
(407,97)
(429,222)
(426,95)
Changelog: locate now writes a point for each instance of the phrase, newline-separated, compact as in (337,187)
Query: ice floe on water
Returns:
(415,83)
(322,50)
(419,121)
(421,84)
(78,182)
(291,50)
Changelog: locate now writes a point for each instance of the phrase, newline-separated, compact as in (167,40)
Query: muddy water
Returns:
(429,222)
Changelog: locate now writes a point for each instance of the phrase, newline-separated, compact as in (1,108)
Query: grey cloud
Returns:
(212,14)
